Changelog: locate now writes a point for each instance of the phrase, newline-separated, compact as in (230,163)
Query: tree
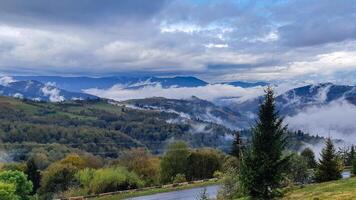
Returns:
(351,155)
(236,148)
(297,172)
(202,164)
(33,174)
(329,166)
(57,178)
(174,161)
(263,163)
(309,157)
(354,166)
(18,179)
(142,163)
(7,191)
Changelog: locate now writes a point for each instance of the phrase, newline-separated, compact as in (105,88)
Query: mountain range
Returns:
(231,114)
(78,84)
(35,90)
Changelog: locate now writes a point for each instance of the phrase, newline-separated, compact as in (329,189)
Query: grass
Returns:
(335,190)
(156,191)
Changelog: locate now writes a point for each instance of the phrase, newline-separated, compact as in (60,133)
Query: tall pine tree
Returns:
(329,166)
(263,163)
(236,148)
(33,174)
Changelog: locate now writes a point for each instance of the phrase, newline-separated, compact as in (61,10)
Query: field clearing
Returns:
(336,190)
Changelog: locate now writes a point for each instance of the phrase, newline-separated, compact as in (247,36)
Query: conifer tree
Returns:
(329,166)
(309,157)
(236,148)
(33,174)
(352,155)
(263,163)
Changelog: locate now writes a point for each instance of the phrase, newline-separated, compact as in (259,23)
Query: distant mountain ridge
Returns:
(35,90)
(193,108)
(246,84)
(78,84)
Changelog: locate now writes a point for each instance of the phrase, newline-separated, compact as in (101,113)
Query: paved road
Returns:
(189,194)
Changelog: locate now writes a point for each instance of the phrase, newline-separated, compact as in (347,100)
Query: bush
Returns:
(230,185)
(7,191)
(108,180)
(179,178)
(202,164)
(144,164)
(18,179)
(57,178)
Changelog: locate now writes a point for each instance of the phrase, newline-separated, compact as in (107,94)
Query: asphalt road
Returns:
(189,194)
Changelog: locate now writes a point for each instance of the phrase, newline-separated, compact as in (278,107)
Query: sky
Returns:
(217,40)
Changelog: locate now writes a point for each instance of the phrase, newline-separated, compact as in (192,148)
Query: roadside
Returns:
(119,195)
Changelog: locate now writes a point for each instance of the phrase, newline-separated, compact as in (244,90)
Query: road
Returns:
(189,194)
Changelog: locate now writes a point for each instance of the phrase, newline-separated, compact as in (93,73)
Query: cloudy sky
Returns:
(213,39)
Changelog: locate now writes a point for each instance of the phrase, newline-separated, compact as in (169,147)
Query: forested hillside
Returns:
(96,126)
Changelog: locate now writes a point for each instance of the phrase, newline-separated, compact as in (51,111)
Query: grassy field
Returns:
(335,190)
(155,191)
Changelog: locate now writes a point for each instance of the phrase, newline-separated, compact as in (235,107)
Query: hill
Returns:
(192,108)
(100,127)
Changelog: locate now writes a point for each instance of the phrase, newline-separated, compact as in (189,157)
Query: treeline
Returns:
(84,174)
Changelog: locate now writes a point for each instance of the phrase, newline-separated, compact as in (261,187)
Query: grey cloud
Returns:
(77,11)
(313,22)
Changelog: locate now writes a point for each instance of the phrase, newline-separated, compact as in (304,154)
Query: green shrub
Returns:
(7,191)
(179,178)
(57,178)
(108,180)
(18,179)
(85,177)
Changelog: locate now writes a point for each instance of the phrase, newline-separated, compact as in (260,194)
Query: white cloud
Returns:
(211,92)
(212,45)
(336,119)
(5,80)
(29,47)
(53,93)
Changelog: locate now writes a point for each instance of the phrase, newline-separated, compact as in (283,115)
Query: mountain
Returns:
(246,84)
(78,84)
(193,108)
(299,99)
(36,90)
(313,95)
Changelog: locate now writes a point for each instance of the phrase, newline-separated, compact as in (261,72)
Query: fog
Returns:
(336,119)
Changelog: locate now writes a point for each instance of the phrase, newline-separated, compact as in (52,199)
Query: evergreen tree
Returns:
(33,174)
(352,155)
(262,163)
(329,167)
(236,148)
(309,157)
